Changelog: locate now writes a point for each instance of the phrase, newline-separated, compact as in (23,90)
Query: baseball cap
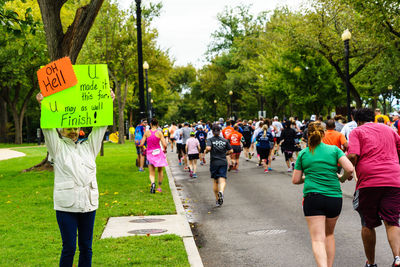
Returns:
(192,133)
(200,126)
(313,118)
(186,123)
(395,114)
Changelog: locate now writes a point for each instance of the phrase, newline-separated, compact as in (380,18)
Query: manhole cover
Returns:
(147,220)
(266,232)
(147,231)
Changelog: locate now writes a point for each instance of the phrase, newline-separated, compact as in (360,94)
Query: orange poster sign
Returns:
(56,76)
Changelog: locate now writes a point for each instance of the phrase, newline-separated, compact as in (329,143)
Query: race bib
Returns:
(155,152)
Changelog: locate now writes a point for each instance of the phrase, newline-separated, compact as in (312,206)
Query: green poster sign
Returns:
(88,103)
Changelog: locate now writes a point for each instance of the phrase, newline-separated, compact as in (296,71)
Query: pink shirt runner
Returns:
(192,144)
(377,146)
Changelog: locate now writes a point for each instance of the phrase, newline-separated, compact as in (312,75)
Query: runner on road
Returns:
(374,150)
(264,140)
(186,130)
(192,150)
(235,140)
(172,130)
(219,148)
(322,201)
(201,135)
(247,134)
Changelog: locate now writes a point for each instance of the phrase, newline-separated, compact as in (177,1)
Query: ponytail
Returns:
(265,129)
(315,134)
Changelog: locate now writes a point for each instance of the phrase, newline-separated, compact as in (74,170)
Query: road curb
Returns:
(190,246)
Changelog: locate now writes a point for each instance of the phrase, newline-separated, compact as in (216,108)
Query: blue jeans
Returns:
(69,223)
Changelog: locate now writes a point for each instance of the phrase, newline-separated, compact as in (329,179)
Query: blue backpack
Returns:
(138,134)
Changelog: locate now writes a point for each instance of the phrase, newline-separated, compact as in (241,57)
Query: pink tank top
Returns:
(153,142)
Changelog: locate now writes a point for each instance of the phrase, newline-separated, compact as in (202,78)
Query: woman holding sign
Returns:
(76,196)
(155,155)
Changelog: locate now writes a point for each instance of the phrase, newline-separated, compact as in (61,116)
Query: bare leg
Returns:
(393,235)
(221,184)
(215,188)
(330,239)
(152,173)
(191,164)
(160,175)
(316,226)
(141,161)
(194,164)
(369,240)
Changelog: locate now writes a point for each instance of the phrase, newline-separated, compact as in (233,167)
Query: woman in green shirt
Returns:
(322,193)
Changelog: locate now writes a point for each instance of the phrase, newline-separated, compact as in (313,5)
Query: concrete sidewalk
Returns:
(6,153)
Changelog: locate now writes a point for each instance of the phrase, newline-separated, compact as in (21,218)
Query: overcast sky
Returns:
(185,26)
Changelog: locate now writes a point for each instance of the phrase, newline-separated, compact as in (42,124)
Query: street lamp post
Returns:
(151,104)
(215,109)
(346,36)
(390,88)
(231,96)
(140,58)
(146,69)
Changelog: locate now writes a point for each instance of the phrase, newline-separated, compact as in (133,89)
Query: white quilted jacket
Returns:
(75,184)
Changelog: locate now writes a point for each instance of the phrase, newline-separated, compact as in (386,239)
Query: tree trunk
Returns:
(17,126)
(3,121)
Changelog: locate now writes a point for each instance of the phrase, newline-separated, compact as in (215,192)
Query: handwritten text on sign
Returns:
(88,103)
(56,76)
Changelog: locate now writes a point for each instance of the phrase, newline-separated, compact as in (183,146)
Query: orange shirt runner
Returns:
(334,138)
(235,138)
(227,132)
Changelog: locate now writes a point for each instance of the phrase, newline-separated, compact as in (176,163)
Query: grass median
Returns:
(29,234)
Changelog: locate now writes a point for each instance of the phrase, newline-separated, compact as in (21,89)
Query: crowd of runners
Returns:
(320,153)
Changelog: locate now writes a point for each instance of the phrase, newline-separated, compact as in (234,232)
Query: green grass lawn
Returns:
(29,234)
(6,145)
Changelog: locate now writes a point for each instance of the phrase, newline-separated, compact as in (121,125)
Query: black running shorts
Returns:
(193,156)
(218,171)
(237,149)
(247,143)
(263,152)
(316,204)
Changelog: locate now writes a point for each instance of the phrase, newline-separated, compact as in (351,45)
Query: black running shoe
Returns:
(153,188)
(220,198)
(230,168)
(370,265)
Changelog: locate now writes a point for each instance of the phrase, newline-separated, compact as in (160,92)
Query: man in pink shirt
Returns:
(374,149)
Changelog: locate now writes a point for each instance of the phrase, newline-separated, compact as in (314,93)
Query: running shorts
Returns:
(316,204)
(179,148)
(378,203)
(218,171)
(288,155)
(139,151)
(202,148)
(247,143)
(184,149)
(263,153)
(237,149)
(172,139)
(193,156)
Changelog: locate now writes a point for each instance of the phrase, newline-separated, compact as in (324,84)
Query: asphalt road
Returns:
(261,222)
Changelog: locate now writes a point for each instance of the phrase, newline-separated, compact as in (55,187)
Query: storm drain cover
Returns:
(266,232)
(147,231)
(147,220)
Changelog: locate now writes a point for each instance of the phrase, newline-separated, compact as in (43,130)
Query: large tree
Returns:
(60,44)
